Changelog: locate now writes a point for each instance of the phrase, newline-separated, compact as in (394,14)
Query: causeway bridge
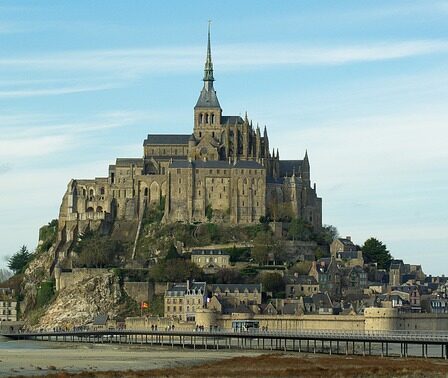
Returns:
(388,343)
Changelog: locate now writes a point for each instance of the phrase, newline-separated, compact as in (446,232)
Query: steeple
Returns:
(208,69)
(208,98)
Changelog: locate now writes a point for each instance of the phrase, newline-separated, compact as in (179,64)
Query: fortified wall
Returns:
(374,319)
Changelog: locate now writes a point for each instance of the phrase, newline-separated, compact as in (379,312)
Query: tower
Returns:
(207,112)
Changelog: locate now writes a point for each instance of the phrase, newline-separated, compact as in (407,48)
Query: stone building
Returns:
(223,172)
(210,260)
(8,305)
(182,300)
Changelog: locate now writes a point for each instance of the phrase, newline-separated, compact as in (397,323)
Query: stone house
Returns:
(301,285)
(236,294)
(183,299)
(210,260)
(8,305)
(328,274)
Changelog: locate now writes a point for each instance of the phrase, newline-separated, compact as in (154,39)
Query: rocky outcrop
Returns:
(79,304)
(37,271)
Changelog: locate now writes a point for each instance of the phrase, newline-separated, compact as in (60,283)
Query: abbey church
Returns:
(223,172)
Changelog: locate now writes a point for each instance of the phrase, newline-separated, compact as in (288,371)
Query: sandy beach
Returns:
(37,358)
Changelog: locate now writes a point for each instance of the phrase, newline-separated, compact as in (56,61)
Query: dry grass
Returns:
(287,365)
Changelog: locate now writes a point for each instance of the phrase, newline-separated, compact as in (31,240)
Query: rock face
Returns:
(37,271)
(79,304)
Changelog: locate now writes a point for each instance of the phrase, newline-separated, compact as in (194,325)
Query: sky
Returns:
(362,86)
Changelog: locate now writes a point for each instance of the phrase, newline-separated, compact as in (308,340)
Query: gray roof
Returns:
(345,241)
(302,279)
(224,164)
(180,289)
(120,162)
(166,139)
(212,252)
(101,319)
(231,120)
(287,167)
(233,287)
(290,308)
(208,99)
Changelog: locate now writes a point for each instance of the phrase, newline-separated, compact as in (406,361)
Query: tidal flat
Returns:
(62,360)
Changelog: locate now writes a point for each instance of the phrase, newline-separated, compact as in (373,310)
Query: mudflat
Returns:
(43,359)
(103,361)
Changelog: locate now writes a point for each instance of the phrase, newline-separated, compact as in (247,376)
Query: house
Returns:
(344,250)
(327,273)
(8,305)
(183,299)
(210,260)
(236,294)
(396,270)
(354,281)
(301,285)
(102,322)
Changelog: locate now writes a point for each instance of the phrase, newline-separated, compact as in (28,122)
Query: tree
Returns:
(97,251)
(327,234)
(172,253)
(263,245)
(19,260)
(272,282)
(175,270)
(301,268)
(374,251)
(300,230)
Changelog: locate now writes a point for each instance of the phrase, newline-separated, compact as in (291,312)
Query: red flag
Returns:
(145,305)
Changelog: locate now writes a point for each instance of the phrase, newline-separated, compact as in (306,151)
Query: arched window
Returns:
(206,118)
(99,209)
(102,190)
(201,118)
(146,192)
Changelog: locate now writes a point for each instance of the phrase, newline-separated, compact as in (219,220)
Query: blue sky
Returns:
(362,85)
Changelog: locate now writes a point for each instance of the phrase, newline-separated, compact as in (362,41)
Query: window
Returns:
(206,118)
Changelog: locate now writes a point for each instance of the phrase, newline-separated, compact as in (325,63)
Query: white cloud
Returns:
(128,62)
(19,148)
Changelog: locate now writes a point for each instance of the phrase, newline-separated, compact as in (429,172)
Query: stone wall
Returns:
(75,276)
(138,291)
(375,319)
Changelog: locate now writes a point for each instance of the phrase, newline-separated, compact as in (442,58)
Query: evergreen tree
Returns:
(19,260)
(374,251)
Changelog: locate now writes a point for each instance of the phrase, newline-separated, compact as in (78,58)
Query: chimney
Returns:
(349,238)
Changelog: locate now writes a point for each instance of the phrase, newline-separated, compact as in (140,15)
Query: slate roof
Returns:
(251,288)
(209,252)
(180,289)
(302,279)
(287,167)
(208,99)
(231,120)
(290,308)
(161,139)
(395,264)
(124,162)
(224,164)
(345,241)
(101,319)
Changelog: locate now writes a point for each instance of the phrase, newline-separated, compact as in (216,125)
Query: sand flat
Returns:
(51,357)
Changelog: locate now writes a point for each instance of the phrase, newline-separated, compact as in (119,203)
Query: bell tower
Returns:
(207,112)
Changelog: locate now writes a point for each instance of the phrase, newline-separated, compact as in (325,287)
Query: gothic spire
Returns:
(208,69)
(208,98)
